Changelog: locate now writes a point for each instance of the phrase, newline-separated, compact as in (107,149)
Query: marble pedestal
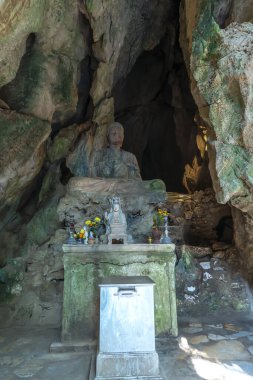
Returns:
(85,266)
(127,329)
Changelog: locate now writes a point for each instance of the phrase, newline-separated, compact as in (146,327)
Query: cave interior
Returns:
(69,106)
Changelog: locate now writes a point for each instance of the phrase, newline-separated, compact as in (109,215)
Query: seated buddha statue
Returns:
(113,161)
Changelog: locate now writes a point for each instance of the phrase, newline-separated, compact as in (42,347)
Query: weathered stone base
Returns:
(85,265)
(143,365)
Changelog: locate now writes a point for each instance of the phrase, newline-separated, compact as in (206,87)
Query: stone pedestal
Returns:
(128,366)
(118,237)
(127,330)
(85,266)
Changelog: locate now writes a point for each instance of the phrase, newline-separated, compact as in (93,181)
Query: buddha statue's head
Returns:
(115,202)
(115,135)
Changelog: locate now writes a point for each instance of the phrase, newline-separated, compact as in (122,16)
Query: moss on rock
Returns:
(17,21)
(44,223)
(11,279)
(22,153)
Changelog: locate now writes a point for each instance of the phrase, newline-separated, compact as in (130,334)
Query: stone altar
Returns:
(89,197)
(84,266)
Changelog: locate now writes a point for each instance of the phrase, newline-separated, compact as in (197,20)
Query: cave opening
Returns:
(162,127)
(164,130)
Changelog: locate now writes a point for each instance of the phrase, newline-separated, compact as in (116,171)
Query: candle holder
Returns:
(165,239)
(71,231)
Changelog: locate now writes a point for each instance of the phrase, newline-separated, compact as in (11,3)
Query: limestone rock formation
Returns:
(220,60)
(22,153)
(42,45)
(14,33)
(121,32)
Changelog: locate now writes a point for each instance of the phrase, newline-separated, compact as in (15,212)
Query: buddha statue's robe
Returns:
(115,163)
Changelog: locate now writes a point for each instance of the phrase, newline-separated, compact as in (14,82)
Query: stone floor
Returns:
(218,351)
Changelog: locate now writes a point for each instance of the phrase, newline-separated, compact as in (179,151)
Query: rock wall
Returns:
(217,45)
(44,49)
(120,33)
(198,219)
(23,152)
(42,46)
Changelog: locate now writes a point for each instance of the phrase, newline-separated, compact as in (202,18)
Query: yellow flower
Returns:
(97,219)
(165,213)
(88,222)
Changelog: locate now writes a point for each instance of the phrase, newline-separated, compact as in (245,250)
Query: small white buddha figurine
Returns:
(116,222)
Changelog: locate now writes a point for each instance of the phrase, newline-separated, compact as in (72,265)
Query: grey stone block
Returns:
(127,365)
